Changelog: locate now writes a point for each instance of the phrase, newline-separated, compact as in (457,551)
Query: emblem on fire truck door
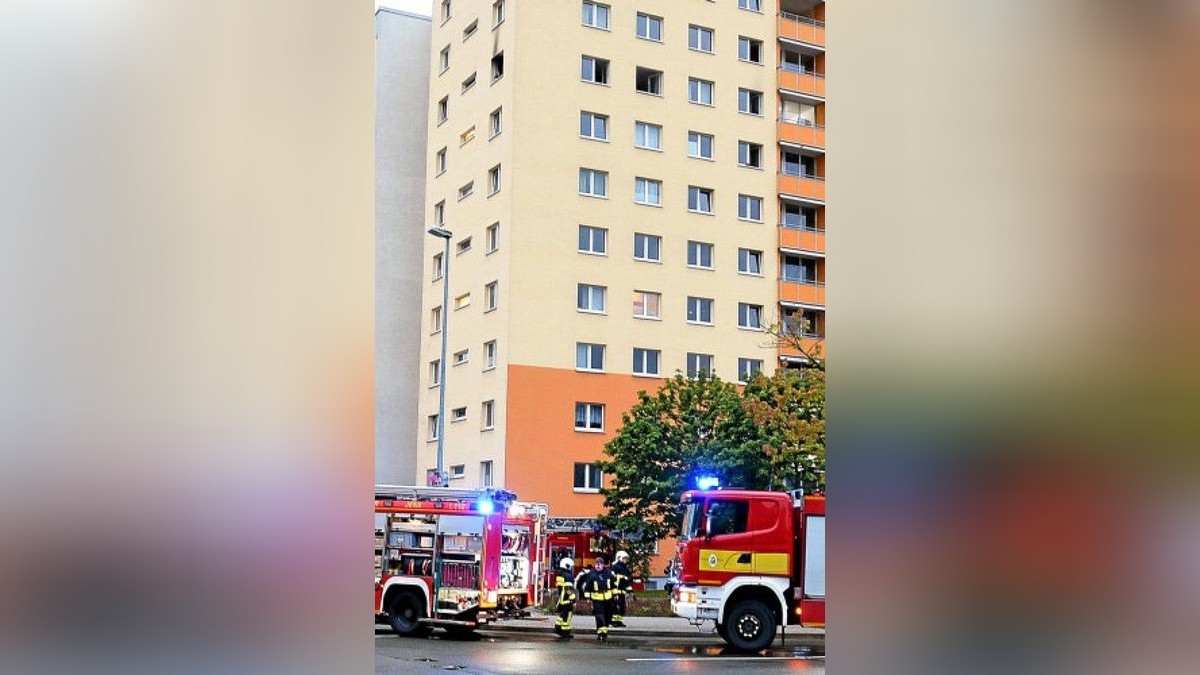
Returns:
(712,560)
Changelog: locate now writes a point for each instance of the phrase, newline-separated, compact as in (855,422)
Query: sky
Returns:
(415,6)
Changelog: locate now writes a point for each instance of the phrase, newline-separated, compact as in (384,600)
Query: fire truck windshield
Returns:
(693,521)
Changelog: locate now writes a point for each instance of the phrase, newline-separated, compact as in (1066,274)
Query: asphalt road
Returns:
(497,652)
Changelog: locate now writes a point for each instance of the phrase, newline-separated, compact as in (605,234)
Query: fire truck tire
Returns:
(404,614)
(750,626)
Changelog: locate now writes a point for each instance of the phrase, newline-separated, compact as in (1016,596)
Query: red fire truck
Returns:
(454,558)
(751,561)
(580,539)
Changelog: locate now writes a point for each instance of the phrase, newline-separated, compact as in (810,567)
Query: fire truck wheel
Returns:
(750,626)
(404,614)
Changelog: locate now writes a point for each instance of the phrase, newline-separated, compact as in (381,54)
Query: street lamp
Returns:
(443,233)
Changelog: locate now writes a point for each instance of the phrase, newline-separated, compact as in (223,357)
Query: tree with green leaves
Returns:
(788,411)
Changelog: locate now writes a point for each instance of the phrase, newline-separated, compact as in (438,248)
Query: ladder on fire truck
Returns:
(415,493)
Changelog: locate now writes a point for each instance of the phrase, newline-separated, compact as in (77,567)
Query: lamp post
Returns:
(445,234)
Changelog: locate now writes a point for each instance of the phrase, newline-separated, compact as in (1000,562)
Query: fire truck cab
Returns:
(751,561)
(454,558)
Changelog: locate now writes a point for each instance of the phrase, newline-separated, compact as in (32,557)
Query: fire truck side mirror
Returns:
(707,526)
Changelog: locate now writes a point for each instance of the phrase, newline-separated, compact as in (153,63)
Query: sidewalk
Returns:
(648,626)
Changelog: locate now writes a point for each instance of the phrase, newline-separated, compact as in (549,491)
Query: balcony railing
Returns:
(802,290)
(793,182)
(802,133)
(802,238)
(801,29)
(802,81)
(812,344)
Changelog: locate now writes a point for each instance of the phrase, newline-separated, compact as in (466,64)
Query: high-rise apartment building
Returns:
(634,189)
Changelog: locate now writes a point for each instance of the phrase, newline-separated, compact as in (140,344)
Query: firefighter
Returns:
(623,582)
(566,599)
(598,585)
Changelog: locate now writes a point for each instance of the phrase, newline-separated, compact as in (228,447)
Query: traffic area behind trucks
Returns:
(455,558)
(751,561)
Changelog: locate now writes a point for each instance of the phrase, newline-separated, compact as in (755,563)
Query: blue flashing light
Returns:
(708,482)
(486,506)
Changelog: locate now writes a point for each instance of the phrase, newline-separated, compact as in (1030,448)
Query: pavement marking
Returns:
(732,658)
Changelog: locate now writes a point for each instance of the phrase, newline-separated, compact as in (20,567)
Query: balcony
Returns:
(802,82)
(805,186)
(802,134)
(802,238)
(803,292)
(801,29)
(814,345)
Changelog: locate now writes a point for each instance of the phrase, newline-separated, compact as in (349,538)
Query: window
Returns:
(795,268)
(439,267)
(700,254)
(439,161)
(462,246)
(466,190)
(462,301)
(470,29)
(485,473)
(649,27)
(700,199)
(698,364)
(496,122)
(492,237)
(749,316)
(493,180)
(595,15)
(699,310)
(648,81)
(587,477)
(645,361)
(497,19)
(593,183)
(749,261)
(466,136)
(647,247)
(646,305)
(593,240)
(647,191)
(646,135)
(432,425)
(799,217)
(589,356)
(489,354)
(595,70)
(750,154)
(458,415)
(435,372)
(445,10)
(593,125)
(700,145)
(589,298)
(589,417)
(439,213)
(491,296)
(700,39)
(700,91)
(444,59)
(747,368)
(459,470)
(468,83)
(435,319)
(443,109)
(726,516)
(750,208)
(750,50)
(497,66)
(461,357)
(752,5)
(487,414)
(750,101)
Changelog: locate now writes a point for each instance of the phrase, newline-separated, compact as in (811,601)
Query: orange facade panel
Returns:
(802,134)
(809,187)
(808,293)
(804,83)
(801,29)
(803,240)
(814,346)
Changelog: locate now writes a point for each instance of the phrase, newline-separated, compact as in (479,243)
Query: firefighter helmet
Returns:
(566,564)
(622,555)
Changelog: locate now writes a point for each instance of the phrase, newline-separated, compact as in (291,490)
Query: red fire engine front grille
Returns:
(460,575)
